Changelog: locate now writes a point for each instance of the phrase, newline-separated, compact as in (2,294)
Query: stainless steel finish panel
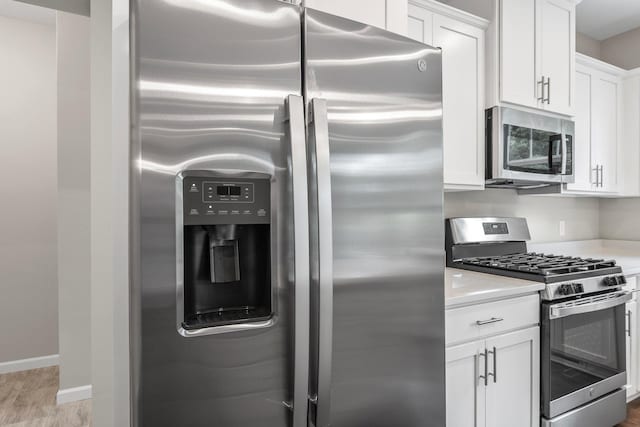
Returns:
(471,230)
(513,116)
(322,269)
(209,93)
(384,106)
(587,394)
(588,304)
(604,412)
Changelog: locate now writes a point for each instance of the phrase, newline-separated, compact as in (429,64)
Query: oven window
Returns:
(585,349)
(531,150)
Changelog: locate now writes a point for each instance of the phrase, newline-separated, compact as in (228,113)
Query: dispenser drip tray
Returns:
(228,316)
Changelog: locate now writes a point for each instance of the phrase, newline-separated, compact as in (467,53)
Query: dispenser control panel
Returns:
(210,199)
(227,192)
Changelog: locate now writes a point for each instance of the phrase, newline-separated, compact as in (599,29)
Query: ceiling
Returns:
(27,12)
(601,19)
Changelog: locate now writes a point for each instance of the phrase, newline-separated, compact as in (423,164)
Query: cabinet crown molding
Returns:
(451,12)
(599,65)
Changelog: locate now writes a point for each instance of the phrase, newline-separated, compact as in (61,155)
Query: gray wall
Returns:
(544,213)
(28,258)
(588,46)
(81,7)
(74,199)
(620,219)
(623,50)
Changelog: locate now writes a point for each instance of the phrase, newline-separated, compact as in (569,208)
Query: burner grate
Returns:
(540,264)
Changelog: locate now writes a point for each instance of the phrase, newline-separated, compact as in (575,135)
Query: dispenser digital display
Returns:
(228,192)
(226,236)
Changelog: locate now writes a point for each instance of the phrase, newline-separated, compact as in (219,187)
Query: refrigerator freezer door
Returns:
(212,83)
(384,112)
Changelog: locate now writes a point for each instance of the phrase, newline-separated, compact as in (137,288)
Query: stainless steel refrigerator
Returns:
(286,219)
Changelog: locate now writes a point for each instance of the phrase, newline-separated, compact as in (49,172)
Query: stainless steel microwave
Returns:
(527,150)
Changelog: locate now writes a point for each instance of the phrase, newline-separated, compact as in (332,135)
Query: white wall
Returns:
(544,213)
(110,212)
(28,217)
(620,219)
(74,199)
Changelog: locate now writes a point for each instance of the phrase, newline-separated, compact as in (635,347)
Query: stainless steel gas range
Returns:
(583,358)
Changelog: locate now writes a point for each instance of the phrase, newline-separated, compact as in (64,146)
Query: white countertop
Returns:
(626,253)
(469,287)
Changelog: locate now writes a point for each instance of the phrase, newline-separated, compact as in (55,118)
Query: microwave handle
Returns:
(597,303)
(564,154)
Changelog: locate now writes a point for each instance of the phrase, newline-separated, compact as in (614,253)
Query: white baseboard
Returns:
(73,394)
(26,364)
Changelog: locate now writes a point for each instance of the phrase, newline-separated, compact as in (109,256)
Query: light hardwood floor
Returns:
(28,399)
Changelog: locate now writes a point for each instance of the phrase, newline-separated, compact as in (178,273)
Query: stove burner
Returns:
(540,264)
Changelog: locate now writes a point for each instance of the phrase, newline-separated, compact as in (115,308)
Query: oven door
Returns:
(583,350)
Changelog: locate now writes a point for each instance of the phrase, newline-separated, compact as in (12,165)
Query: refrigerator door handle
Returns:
(320,146)
(301,283)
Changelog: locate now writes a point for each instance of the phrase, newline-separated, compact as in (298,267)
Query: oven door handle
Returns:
(588,305)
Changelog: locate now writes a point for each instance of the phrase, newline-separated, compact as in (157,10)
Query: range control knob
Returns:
(565,289)
(621,280)
(610,281)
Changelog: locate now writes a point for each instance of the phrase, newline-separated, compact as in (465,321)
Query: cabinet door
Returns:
(555,35)
(583,166)
(420,24)
(517,52)
(388,14)
(513,393)
(465,389)
(632,350)
(463,101)
(604,129)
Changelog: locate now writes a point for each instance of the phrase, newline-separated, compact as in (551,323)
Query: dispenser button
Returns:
(235,212)
(223,212)
(193,188)
(194,212)
(247,212)
(262,212)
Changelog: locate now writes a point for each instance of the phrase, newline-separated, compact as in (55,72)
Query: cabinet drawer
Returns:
(481,320)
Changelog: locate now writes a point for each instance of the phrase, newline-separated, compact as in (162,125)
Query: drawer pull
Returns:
(486,322)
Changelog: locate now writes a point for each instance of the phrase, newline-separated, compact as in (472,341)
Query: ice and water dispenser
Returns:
(226,249)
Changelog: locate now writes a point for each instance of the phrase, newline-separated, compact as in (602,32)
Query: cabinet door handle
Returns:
(484,377)
(628,316)
(548,90)
(601,175)
(494,374)
(492,320)
(541,83)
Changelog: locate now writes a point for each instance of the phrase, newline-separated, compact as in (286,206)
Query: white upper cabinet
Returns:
(462,39)
(388,14)
(598,129)
(518,52)
(555,52)
(532,48)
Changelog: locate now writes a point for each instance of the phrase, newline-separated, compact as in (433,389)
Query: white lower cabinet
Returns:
(494,381)
(466,391)
(513,393)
